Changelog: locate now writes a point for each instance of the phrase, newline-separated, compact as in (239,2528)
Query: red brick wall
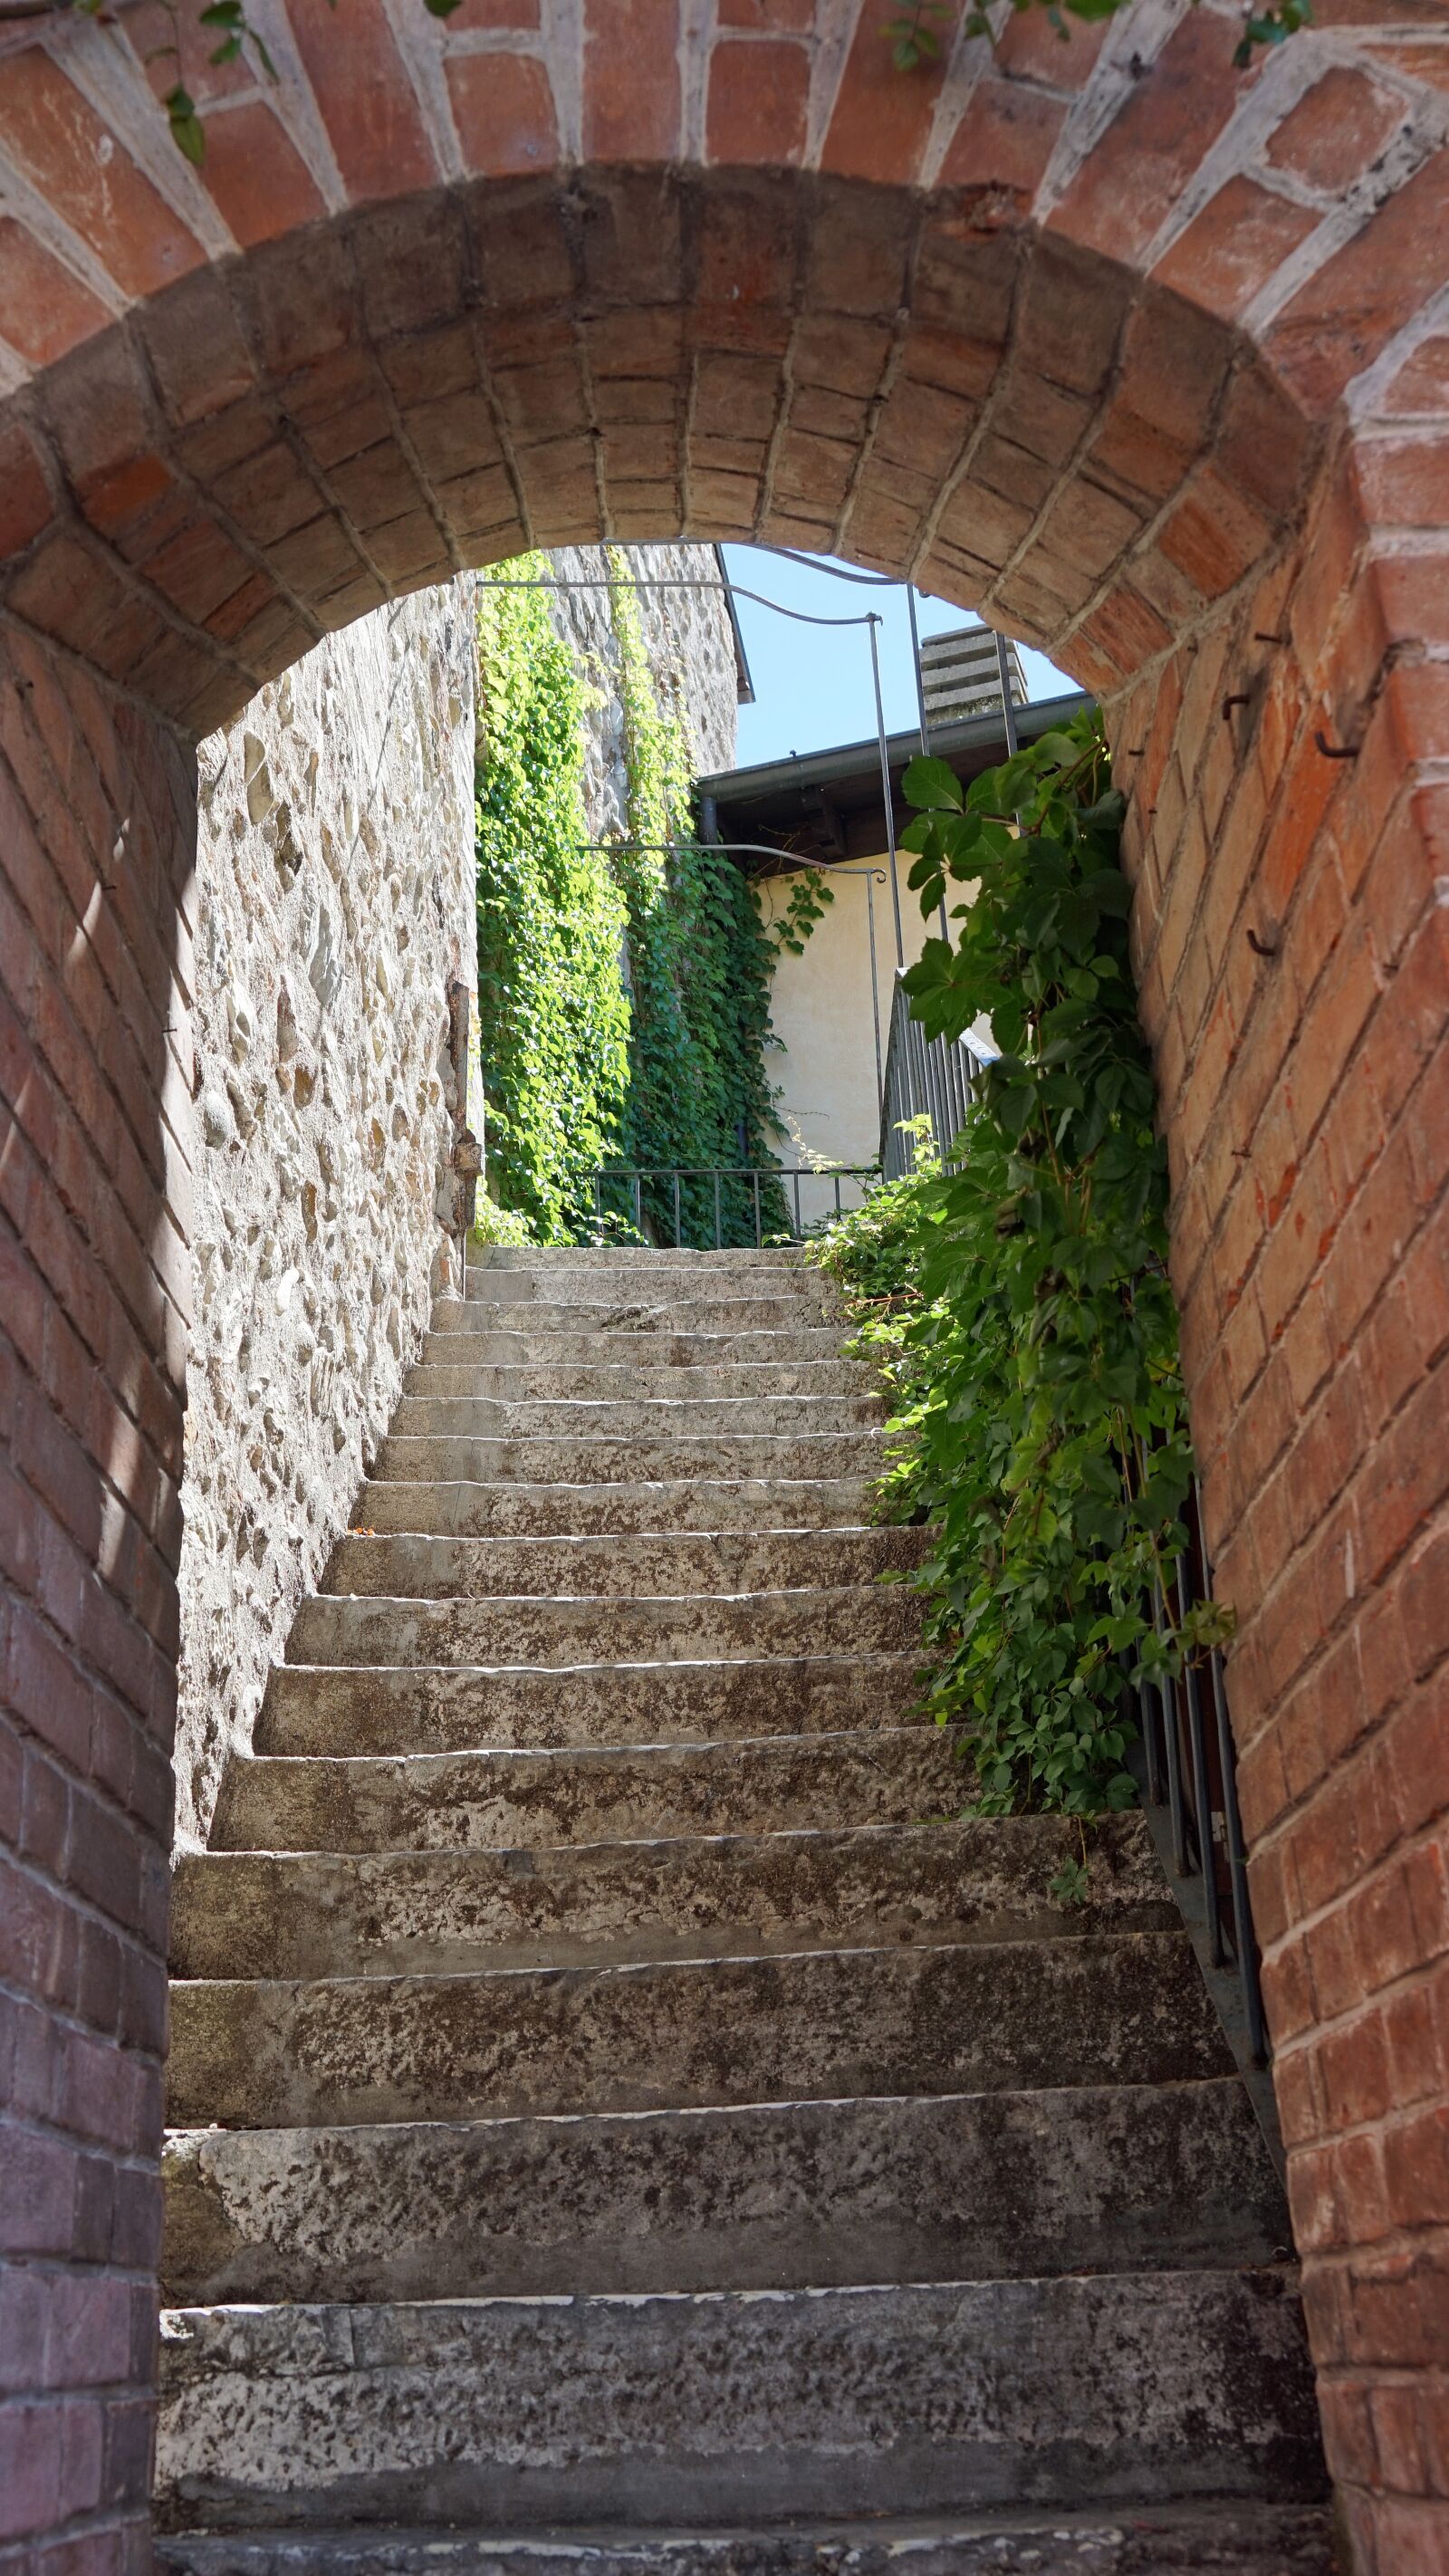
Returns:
(95,814)
(1134,352)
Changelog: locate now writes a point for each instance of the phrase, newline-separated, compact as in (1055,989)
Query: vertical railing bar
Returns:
(837,1194)
(799,1235)
(1171,1746)
(1197,1748)
(1247,1961)
(759,1235)
(718,1228)
(678,1237)
(639,1204)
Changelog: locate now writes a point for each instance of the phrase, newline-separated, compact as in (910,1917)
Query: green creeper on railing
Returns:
(1020,1296)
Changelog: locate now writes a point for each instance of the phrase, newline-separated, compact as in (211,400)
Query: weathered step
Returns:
(586,1794)
(615,1381)
(612,1258)
(765,2196)
(697,1309)
(716,1896)
(454,1340)
(1239,2539)
(631,1462)
(654,1283)
(568,1511)
(869,1618)
(701,2408)
(646,1419)
(1121,2008)
(442,1708)
(621,1566)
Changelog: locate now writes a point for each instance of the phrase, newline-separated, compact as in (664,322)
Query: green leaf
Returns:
(185,124)
(932,783)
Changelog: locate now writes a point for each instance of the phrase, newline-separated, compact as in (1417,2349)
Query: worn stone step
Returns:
(649,1282)
(871,1618)
(615,1381)
(645,1419)
(714,1896)
(697,1308)
(611,1258)
(541,1461)
(702,2408)
(1121,2007)
(1204,2539)
(589,1793)
(621,1566)
(764,2196)
(442,1708)
(521,1510)
(454,1340)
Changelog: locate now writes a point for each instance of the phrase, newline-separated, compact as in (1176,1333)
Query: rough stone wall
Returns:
(334,908)
(690,644)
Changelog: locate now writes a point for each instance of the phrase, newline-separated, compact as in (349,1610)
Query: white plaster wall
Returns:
(333,904)
(820,1007)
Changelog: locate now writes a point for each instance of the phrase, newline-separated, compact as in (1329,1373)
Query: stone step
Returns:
(652,1283)
(868,1618)
(623,1566)
(1124,2008)
(456,1341)
(612,1258)
(616,1381)
(700,2408)
(586,1794)
(765,2196)
(580,1511)
(696,1309)
(441,1708)
(1238,2539)
(647,1420)
(718,1896)
(729,1457)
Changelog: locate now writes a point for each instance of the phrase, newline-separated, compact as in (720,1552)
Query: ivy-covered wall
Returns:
(623,989)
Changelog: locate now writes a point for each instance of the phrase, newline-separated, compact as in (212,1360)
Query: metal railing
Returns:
(934,1077)
(1186,1768)
(761,1181)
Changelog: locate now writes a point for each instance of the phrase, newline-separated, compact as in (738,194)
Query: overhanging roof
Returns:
(828,804)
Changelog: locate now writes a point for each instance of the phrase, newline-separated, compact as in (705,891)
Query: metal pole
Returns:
(885,783)
(874,986)
(1004,667)
(921,712)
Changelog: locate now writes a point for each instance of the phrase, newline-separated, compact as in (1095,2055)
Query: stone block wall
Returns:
(690,644)
(333,909)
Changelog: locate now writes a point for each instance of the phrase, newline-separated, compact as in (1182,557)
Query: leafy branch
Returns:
(1019,1299)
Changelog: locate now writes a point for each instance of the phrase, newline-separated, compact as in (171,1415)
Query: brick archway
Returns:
(1145,357)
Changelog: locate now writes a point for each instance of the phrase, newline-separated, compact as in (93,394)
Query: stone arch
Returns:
(1144,357)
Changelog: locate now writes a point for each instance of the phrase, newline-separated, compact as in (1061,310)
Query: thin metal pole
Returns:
(759,1235)
(921,712)
(718,1233)
(874,987)
(678,1237)
(796,1178)
(1004,667)
(885,783)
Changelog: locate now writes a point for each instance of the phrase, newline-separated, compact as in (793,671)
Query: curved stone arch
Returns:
(1146,358)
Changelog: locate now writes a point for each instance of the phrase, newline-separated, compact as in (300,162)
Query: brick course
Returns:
(1103,338)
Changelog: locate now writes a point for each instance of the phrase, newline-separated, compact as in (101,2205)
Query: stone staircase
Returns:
(625,2119)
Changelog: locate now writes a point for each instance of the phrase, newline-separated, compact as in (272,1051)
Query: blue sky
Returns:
(813,683)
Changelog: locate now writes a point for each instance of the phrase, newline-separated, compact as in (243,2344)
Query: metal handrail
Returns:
(931,1077)
(1186,1768)
(718,1173)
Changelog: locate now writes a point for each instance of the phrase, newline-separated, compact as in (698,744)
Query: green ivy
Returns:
(700,968)
(1019,1294)
(623,993)
(917,32)
(552,1013)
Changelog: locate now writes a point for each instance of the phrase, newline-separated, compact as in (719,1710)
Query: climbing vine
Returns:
(553,1015)
(917,31)
(623,992)
(700,969)
(1019,1294)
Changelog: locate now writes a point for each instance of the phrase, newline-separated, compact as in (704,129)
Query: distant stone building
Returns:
(961,675)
